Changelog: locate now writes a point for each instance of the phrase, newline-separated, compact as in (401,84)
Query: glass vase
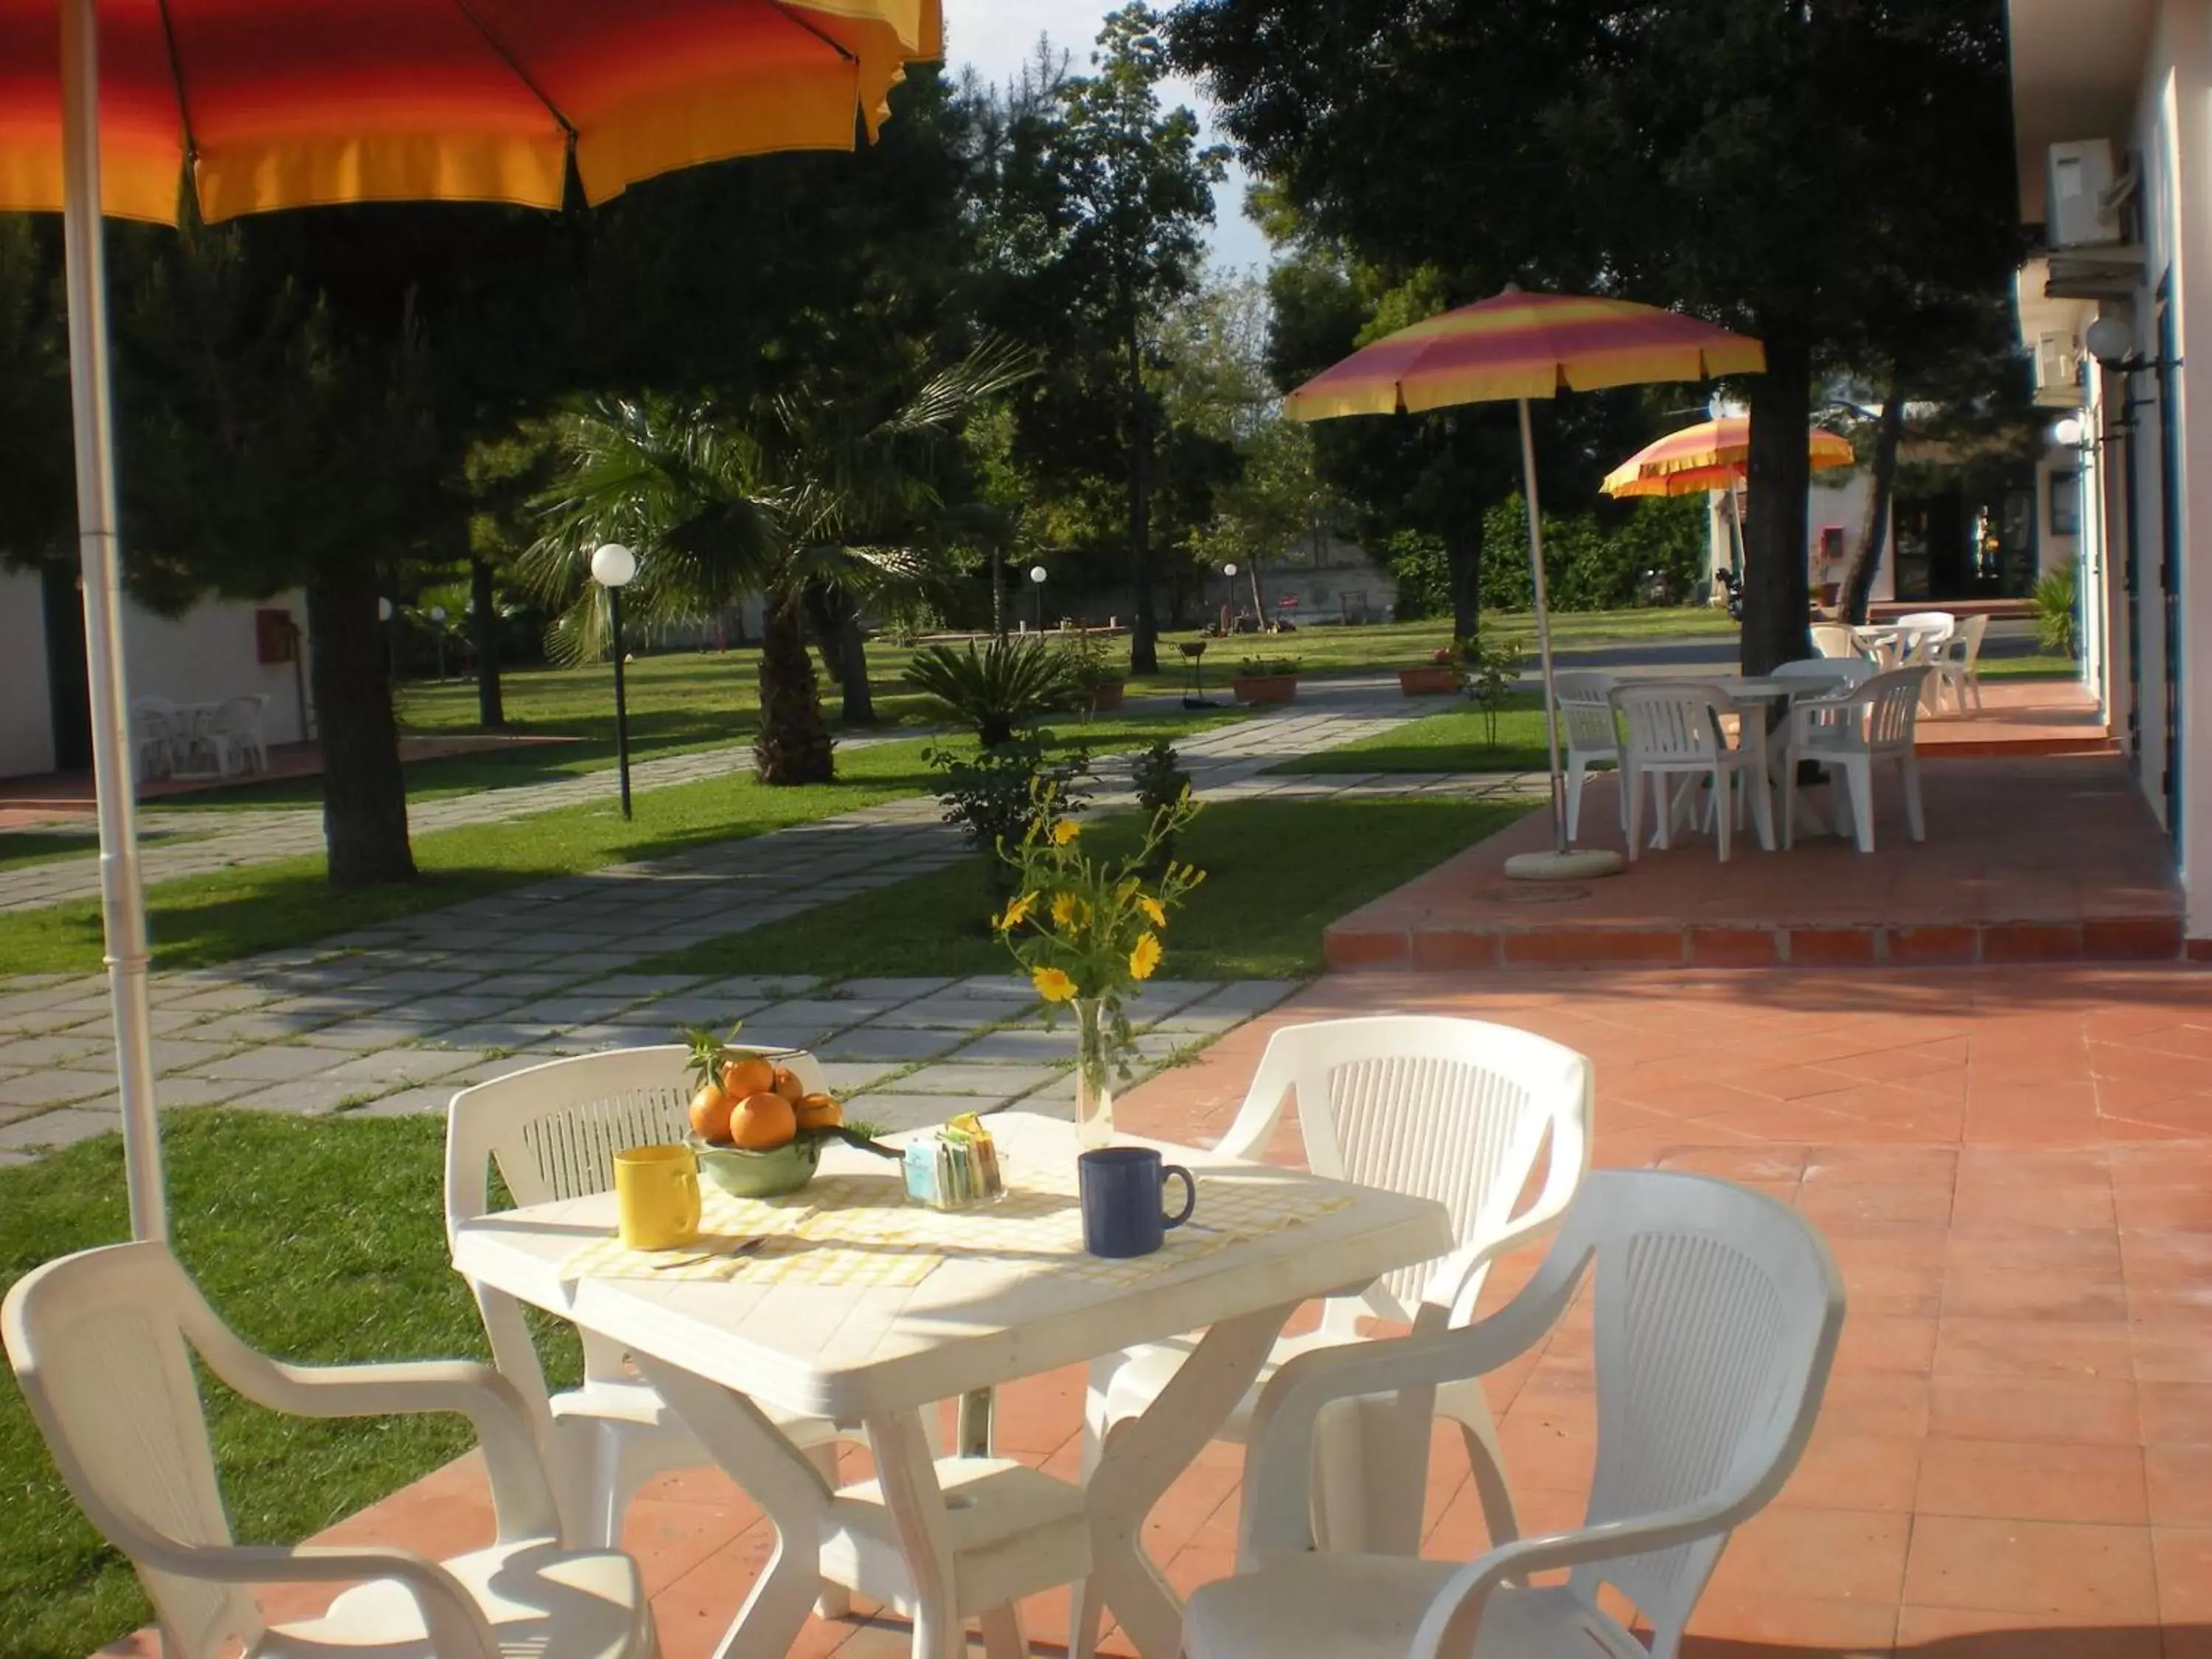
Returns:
(1094,1075)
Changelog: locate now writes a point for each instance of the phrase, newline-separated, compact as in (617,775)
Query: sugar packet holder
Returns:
(955,1169)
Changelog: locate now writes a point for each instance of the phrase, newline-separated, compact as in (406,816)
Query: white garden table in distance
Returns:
(881,1357)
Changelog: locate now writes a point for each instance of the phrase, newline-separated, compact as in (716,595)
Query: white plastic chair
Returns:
(1847,735)
(1458,1110)
(1836,642)
(553,1131)
(1592,735)
(158,733)
(1955,662)
(1674,739)
(103,1343)
(234,732)
(1718,1312)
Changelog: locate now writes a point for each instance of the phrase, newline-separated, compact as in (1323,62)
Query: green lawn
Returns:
(201,920)
(319,1240)
(1456,739)
(1277,873)
(19,848)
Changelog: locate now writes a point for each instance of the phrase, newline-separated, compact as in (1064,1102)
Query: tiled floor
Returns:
(2015,1170)
(2050,858)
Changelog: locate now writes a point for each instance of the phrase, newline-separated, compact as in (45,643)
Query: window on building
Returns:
(2065,501)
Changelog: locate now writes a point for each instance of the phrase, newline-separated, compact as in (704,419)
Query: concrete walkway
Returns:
(393,1018)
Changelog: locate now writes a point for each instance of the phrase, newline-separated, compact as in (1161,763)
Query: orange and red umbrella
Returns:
(281,103)
(1520,346)
(119,106)
(1710,455)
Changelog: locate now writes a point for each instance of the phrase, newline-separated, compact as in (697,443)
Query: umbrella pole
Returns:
(1559,864)
(121,903)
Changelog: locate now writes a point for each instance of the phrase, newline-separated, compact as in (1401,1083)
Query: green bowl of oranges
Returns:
(756,1125)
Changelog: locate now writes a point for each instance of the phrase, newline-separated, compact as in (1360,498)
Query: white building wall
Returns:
(208,653)
(27,732)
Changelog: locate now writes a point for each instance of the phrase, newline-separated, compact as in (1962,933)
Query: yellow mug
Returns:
(657,1189)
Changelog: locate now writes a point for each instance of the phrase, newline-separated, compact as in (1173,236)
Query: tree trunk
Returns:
(1463,561)
(1777,593)
(1144,630)
(1889,433)
(793,744)
(364,793)
(483,621)
(836,622)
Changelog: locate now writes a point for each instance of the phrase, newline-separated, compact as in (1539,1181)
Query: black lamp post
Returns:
(612,566)
(1036,576)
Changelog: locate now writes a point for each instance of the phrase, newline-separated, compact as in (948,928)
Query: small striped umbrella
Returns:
(1710,455)
(119,106)
(1521,346)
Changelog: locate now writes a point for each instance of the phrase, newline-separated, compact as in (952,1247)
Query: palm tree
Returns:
(779,497)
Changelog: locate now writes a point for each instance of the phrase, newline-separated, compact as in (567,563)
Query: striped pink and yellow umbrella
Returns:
(1710,455)
(1517,346)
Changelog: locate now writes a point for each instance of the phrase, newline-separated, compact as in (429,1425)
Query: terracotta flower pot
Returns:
(1106,698)
(1435,680)
(1266,688)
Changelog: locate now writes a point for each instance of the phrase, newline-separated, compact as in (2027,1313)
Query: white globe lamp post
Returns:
(612,568)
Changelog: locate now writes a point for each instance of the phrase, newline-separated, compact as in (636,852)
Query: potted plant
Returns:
(1267,679)
(1437,677)
(1095,680)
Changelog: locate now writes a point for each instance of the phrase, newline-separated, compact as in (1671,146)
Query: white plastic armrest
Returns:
(520,1493)
(1449,1629)
(454,1622)
(1279,1461)
(1256,1122)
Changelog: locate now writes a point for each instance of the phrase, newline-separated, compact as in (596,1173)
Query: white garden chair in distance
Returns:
(1847,735)
(1456,1110)
(1675,740)
(1716,1311)
(1845,673)
(553,1131)
(104,1342)
(234,733)
(1955,665)
(159,732)
(1836,642)
(1592,733)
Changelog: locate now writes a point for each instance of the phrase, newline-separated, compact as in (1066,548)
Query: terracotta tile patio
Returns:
(2014,1169)
(2050,858)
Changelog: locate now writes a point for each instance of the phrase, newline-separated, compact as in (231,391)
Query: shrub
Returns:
(998,690)
(1491,672)
(1087,664)
(1161,783)
(1262,665)
(2058,615)
(994,795)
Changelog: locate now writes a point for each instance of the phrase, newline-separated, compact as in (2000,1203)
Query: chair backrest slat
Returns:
(1673,720)
(1586,716)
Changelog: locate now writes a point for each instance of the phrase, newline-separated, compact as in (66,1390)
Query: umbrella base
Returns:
(1583,865)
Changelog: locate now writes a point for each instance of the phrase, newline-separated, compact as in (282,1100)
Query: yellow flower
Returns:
(1018,913)
(1145,958)
(1053,984)
(1065,831)
(1153,908)
(1070,913)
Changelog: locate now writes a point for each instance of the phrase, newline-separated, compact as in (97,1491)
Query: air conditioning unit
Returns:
(2080,206)
(2058,370)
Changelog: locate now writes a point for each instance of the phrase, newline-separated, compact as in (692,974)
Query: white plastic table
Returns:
(881,1357)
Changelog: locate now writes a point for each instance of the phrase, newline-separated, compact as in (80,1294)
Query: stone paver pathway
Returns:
(393,1018)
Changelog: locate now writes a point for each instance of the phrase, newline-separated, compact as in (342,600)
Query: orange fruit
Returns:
(762,1121)
(710,1114)
(788,1085)
(751,1075)
(819,1112)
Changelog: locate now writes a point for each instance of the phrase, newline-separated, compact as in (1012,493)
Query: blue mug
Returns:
(1124,1200)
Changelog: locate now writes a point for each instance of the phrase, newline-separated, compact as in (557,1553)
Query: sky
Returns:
(997,36)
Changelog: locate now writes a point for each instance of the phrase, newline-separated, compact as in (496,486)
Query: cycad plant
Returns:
(999,691)
(768,496)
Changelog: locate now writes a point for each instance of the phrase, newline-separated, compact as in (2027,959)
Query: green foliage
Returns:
(1493,671)
(2057,609)
(1260,668)
(1004,688)
(1160,782)
(1087,665)
(1417,561)
(994,795)
(1600,560)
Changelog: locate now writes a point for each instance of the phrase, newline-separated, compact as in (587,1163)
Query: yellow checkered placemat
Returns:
(859,1231)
